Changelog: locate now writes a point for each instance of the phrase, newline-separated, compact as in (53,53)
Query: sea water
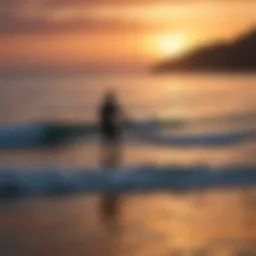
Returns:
(209,108)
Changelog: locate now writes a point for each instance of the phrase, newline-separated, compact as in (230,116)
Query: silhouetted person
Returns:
(111,119)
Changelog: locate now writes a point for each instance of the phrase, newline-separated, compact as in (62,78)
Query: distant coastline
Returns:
(238,56)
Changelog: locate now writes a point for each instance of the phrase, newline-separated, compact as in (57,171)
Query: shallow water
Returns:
(216,222)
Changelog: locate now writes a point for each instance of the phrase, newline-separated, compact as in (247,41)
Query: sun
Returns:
(172,45)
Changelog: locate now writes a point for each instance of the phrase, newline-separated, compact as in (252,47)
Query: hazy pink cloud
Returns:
(46,16)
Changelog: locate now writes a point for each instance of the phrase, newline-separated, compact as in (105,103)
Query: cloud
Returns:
(23,16)
(39,16)
(57,16)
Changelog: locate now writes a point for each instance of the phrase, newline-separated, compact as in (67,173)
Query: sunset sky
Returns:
(113,34)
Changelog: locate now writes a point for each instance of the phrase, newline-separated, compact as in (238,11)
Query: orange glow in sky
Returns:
(114,33)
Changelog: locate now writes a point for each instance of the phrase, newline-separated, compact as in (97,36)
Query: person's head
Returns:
(110,97)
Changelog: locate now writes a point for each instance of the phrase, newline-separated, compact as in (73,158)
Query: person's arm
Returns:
(124,118)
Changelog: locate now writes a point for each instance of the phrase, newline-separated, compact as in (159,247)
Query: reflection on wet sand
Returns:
(213,223)
(110,158)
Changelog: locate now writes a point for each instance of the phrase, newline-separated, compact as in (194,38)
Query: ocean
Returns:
(198,120)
